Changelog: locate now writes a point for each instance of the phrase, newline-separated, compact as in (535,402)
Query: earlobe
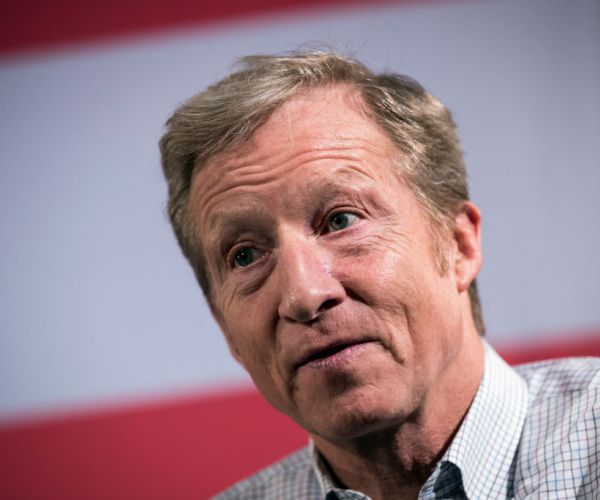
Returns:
(467,235)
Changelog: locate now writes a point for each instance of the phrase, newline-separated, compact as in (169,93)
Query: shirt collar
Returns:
(320,469)
(482,453)
(326,483)
(479,461)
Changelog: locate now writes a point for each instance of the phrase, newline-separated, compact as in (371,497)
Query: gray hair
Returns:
(227,114)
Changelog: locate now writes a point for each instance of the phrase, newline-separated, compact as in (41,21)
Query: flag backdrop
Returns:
(114,379)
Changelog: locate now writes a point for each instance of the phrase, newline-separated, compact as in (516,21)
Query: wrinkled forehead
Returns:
(325,113)
(325,118)
(326,128)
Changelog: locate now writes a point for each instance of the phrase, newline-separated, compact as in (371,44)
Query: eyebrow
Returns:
(228,221)
(224,223)
(350,172)
(344,182)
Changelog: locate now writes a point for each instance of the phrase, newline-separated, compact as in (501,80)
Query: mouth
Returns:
(333,355)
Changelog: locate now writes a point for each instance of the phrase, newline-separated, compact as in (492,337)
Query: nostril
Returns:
(328,304)
(305,315)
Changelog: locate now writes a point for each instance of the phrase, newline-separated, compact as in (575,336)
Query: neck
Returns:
(396,461)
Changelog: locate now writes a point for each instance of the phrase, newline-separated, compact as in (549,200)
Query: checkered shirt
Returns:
(531,432)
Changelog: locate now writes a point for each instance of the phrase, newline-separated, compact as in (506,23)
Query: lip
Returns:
(332,354)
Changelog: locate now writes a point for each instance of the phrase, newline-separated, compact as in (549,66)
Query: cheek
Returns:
(399,280)
(381,270)
(248,330)
(253,341)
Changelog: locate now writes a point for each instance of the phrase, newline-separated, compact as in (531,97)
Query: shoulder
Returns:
(563,394)
(291,477)
(559,449)
(561,376)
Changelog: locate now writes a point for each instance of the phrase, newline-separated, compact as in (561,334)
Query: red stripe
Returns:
(576,344)
(31,24)
(183,450)
(188,449)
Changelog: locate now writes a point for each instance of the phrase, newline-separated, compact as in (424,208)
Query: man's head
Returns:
(340,284)
(226,115)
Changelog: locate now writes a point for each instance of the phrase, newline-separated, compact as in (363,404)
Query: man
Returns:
(325,212)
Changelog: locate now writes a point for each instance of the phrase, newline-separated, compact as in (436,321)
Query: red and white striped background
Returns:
(114,381)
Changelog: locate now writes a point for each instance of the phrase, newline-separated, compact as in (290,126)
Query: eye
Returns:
(341,220)
(246,256)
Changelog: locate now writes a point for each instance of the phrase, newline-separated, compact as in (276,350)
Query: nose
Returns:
(307,285)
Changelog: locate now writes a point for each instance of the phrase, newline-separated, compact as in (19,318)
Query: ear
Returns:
(467,235)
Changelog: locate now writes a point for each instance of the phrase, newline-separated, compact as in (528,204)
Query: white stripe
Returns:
(96,301)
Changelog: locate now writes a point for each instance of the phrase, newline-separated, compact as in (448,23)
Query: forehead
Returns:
(323,119)
(320,116)
(309,138)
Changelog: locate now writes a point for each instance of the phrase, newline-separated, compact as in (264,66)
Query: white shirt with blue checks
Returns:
(533,431)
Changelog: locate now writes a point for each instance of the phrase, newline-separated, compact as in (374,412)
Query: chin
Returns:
(341,424)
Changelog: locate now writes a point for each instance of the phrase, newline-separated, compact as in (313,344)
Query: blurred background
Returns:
(114,379)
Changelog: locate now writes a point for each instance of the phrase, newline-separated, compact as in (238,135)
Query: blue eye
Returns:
(246,256)
(341,220)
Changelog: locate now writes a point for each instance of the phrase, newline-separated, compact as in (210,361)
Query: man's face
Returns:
(323,270)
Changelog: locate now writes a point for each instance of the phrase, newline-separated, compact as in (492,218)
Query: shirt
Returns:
(531,432)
